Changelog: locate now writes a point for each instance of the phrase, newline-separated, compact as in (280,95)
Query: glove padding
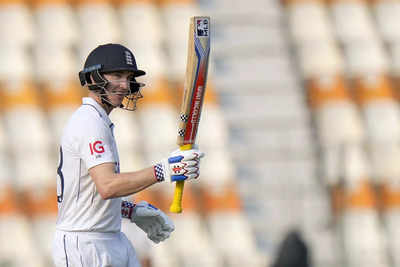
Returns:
(152,221)
(182,165)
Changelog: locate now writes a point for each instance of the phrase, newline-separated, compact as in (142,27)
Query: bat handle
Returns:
(176,206)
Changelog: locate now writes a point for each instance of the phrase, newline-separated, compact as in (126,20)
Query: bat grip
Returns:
(176,206)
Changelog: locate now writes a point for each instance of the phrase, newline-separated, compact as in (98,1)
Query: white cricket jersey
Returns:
(87,141)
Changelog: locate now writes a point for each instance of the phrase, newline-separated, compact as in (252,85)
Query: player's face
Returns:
(118,86)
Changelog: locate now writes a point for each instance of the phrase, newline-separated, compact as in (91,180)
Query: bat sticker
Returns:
(202,27)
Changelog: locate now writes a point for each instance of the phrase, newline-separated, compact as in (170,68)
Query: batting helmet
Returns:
(109,58)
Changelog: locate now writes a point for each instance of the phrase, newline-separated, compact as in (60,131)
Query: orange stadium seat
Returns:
(219,198)
(361,219)
(380,107)
(337,121)
(381,113)
(21,97)
(41,208)
(226,226)
(61,99)
(20,249)
(333,106)
(33,175)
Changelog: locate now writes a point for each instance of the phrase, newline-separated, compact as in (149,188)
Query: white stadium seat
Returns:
(320,58)
(228,226)
(16,63)
(384,158)
(394,56)
(313,30)
(391,220)
(382,118)
(27,128)
(387,17)
(365,58)
(56,25)
(339,123)
(129,138)
(159,126)
(162,255)
(55,63)
(105,17)
(242,39)
(150,58)
(20,250)
(355,164)
(192,242)
(138,237)
(176,17)
(141,24)
(217,163)
(19,16)
(57,119)
(368,250)
(360,29)
(126,129)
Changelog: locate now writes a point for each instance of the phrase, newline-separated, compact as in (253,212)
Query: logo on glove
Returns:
(177,169)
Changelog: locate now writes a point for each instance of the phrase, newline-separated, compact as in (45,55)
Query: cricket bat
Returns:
(193,94)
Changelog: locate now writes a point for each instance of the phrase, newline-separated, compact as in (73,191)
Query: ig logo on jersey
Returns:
(96,147)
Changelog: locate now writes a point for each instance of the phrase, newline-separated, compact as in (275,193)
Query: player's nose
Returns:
(124,84)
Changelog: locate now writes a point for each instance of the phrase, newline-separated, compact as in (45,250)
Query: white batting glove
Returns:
(151,220)
(180,166)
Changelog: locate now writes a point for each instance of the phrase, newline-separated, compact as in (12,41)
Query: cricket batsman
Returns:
(89,183)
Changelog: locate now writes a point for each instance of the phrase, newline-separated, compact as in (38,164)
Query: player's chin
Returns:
(117,101)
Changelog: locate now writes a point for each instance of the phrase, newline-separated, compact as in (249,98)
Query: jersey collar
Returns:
(102,113)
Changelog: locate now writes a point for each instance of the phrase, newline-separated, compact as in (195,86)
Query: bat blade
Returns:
(194,90)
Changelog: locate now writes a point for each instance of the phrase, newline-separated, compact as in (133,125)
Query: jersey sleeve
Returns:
(96,145)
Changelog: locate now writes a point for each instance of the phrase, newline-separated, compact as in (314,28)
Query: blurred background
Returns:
(301,127)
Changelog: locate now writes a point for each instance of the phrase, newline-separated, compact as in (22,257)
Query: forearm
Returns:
(124,184)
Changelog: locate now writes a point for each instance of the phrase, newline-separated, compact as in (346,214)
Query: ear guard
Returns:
(84,75)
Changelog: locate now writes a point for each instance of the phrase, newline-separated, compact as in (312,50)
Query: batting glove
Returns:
(180,166)
(151,220)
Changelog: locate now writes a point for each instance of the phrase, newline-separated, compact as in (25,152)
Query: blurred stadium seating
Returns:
(301,126)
